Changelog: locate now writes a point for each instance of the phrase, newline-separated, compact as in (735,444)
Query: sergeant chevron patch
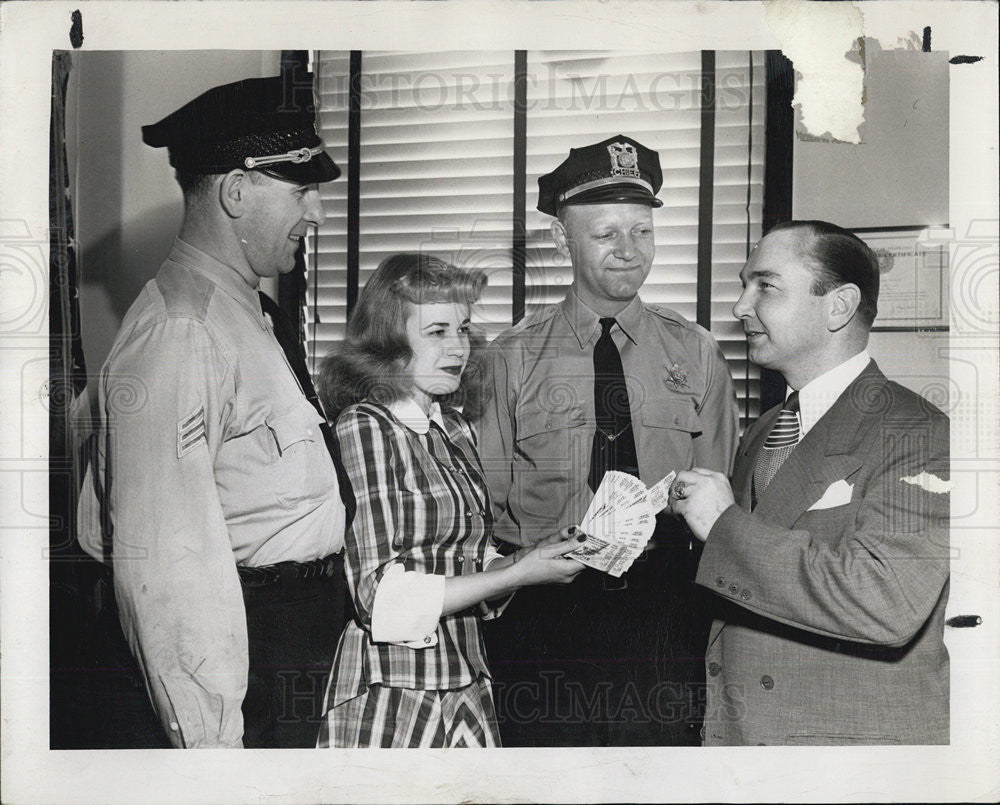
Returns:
(189,431)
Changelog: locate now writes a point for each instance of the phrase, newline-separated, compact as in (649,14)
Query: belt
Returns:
(266,575)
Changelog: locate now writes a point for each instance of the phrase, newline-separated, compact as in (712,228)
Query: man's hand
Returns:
(700,496)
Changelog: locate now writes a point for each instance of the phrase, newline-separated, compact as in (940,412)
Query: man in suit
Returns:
(831,565)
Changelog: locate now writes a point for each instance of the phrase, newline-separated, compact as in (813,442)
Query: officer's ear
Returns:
(233,192)
(558,230)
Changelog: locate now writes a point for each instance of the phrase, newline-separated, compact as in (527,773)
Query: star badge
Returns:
(676,377)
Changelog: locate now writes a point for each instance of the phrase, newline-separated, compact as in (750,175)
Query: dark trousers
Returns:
(598,663)
(293,626)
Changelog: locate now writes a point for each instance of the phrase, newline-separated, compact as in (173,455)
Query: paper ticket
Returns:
(619,522)
(659,493)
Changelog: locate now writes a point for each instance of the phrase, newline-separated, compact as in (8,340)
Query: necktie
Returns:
(614,442)
(780,442)
(286,334)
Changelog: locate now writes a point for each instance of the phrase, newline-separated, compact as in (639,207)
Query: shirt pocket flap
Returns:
(532,423)
(673,414)
(298,424)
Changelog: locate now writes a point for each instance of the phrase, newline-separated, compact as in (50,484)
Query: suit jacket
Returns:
(830,620)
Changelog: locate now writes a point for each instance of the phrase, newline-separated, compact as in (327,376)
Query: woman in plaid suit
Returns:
(411,669)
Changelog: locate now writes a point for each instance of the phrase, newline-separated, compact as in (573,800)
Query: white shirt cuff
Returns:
(488,610)
(407,608)
(492,554)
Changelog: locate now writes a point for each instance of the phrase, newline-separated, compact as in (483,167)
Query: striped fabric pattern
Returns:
(421,502)
(780,442)
(397,718)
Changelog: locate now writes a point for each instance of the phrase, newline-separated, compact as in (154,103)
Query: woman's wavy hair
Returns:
(371,361)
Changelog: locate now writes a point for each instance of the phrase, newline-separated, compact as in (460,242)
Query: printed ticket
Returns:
(619,521)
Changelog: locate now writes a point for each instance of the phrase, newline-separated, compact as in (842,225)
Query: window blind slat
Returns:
(436,163)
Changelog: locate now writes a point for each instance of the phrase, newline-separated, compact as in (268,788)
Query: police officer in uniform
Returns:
(214,496)
(602,381)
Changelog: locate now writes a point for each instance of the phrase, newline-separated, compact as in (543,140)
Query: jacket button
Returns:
(733,589)
(766,682)
(746,595)
(714,668)
(720,582)
(460,559)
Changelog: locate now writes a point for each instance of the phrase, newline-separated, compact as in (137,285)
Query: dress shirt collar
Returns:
(412,415)
(818,395)
(226,277)
(585,323)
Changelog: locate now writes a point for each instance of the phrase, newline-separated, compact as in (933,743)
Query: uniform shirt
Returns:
(423,514)
(209,452)
(538,428)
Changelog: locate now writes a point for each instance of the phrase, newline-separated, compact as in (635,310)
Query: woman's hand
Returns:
(543,563)
(546,561)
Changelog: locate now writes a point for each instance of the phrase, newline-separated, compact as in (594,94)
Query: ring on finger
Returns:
(680,490)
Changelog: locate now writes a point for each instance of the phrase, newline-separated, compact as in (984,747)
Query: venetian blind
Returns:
(437,155)
(738,206)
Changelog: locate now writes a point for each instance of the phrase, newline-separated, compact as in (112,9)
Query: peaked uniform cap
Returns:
(268,124)
(618,170)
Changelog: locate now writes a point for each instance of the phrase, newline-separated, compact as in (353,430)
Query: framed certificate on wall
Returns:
(913,269)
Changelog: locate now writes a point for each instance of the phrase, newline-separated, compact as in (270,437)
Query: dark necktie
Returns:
(614,442)
(780,442)
(286,334)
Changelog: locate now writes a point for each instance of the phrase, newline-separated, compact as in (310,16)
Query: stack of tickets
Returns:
(620,521)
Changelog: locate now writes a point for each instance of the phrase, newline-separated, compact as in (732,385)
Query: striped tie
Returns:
(778,446)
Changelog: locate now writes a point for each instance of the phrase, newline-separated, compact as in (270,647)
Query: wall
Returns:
(127,206)
(896,176)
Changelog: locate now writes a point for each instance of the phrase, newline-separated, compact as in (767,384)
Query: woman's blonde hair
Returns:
(371,361)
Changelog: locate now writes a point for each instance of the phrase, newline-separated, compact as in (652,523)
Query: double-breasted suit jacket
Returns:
(831,593)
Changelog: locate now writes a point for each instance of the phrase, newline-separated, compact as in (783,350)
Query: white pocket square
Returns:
(837,494)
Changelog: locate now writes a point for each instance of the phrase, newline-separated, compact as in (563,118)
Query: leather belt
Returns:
(266,575)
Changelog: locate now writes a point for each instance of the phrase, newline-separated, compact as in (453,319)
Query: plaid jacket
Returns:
(422,502)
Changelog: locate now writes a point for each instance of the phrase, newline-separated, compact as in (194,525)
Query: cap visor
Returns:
(318,169)
(615,194)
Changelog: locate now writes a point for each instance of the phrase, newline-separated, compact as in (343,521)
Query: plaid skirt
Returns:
(395,718)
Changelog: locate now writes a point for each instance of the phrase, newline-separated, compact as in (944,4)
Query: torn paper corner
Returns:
(930,483)
(819,39)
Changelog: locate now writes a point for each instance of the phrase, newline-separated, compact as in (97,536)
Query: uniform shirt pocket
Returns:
(673,414)
(547,424)
(299,450)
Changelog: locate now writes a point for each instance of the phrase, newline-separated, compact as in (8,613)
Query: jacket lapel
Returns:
(746,456)
(829,452)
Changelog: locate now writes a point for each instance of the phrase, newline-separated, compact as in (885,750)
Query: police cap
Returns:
(267,124)
(618,170)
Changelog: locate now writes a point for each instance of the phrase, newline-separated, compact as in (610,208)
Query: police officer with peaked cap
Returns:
(602,381)
(220,509)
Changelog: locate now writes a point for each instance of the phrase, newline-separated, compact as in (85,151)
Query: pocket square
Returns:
(837,494)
